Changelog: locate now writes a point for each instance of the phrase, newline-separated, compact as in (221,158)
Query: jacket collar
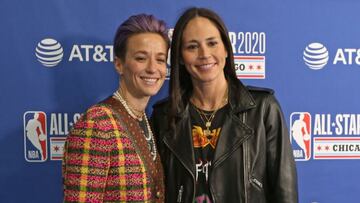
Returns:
(240,100)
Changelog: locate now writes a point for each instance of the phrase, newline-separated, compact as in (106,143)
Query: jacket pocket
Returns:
(256,183)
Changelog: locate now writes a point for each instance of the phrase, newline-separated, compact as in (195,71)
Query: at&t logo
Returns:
(316,56)
(49,52)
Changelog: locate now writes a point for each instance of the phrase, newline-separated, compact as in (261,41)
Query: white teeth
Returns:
(150,80)
(205,66)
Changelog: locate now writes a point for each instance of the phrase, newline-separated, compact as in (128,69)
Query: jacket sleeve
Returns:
(281,169)
(86,158)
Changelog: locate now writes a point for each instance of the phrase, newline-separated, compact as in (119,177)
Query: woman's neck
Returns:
(136,103)
(210,96)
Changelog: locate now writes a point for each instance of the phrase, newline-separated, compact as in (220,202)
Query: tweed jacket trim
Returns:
(153,167)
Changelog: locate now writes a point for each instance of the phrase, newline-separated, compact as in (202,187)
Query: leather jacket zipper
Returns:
(256,182)
(189,170)
(245,161)
(179,197)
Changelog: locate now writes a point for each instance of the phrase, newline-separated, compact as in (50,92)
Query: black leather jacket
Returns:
(253,161)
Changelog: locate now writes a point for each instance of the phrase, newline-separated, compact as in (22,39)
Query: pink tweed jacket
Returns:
(106,159)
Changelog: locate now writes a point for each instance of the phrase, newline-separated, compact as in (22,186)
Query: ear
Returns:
(119,65)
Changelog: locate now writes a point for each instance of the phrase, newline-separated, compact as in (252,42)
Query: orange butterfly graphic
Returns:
(201,140)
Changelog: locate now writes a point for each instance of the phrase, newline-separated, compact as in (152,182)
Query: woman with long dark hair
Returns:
(219,141)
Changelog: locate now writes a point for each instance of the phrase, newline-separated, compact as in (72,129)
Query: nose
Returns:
(204,52)
(151,66)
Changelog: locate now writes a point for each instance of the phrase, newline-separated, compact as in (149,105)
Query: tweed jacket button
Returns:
(158,194)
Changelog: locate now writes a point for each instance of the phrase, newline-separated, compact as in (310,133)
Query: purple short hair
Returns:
(136,24)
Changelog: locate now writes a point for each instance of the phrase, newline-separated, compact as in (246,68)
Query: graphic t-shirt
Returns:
(204,141)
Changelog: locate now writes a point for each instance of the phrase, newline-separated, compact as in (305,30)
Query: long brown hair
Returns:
(180,80)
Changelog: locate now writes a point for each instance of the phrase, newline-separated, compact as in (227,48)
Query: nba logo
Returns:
(35,136)
(300,135)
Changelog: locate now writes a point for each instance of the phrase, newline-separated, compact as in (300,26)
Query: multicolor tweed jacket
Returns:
(107,159)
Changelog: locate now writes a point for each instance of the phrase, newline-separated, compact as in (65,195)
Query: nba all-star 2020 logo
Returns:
(325,136)
(43,138)
(249,54)
(35,136)
(300,135)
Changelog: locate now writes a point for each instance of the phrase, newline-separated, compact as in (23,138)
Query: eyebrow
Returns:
(140,52)
(207,39)
(145,52)
(161,54)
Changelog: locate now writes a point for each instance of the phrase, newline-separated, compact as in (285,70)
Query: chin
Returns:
(203,78)
(151,92)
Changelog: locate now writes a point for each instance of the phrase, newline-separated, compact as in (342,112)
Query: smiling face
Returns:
(203,51)
(143,70)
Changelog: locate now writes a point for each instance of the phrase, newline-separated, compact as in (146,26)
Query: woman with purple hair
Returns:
(110,154)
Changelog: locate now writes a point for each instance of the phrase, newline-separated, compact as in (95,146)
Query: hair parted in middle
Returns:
(180,79)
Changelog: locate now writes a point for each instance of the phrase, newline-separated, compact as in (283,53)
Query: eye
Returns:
(191,47)
(161,60)
(140,58)
(212,43)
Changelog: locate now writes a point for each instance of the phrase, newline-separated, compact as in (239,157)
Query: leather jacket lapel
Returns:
(232,135)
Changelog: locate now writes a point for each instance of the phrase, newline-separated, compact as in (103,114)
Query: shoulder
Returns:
(260,90)
(160,112)
(262,95)
(99,116)
(162,104)
(99,111)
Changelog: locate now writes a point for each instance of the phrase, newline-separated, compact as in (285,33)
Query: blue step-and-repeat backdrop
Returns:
(56,60)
